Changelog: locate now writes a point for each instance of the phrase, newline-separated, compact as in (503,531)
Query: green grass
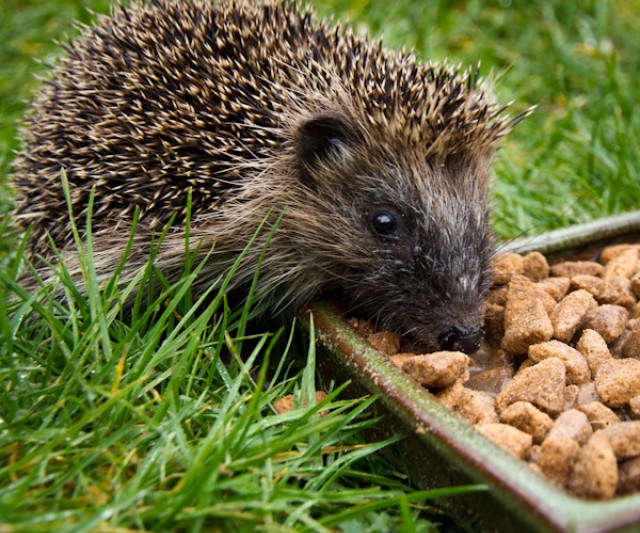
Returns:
(160,415)
(160,419)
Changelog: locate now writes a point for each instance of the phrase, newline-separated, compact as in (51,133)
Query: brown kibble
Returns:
(623,265)
(595,472)
(475,407)
(451,397)
(572,424)
(568,269)
(548,301)
(528,418)
(493,321)
(618,381)
(535,266)
(478,408)
(437,370)
(602,290)
(624,439)
(505,266)
(631,346)
(525,320)
(587,394)
(285,404)
(626,298)
(608,320)
(386,342)
(513,440)
(497,296)
(610,252)
(576,365)
(594,349)
(629,476)
(570,312)
(556,287)
(399,358)
(599,415)
(542,385)
(557,457)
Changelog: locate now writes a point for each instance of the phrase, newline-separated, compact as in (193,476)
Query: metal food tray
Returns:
(442,450)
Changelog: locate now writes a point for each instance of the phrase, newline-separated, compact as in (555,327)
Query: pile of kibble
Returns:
(557,382)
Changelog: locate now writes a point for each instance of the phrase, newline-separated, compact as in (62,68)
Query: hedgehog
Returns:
(372,166)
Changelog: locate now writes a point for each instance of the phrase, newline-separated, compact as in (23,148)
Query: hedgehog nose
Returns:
(461,339)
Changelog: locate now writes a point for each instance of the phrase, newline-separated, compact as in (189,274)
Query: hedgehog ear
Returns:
(322,137)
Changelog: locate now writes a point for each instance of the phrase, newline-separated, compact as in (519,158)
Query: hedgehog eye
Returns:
(384,224)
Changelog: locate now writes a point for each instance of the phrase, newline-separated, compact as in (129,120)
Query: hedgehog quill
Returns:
(379,164)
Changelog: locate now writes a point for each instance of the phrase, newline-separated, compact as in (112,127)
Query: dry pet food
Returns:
(557,381)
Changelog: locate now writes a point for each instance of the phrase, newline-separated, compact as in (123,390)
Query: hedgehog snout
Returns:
(461,339)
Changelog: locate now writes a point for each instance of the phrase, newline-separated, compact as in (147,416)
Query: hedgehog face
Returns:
(430,271)
(440,266)
(416,251)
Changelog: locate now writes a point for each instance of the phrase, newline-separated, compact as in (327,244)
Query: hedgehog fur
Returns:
(377,163)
